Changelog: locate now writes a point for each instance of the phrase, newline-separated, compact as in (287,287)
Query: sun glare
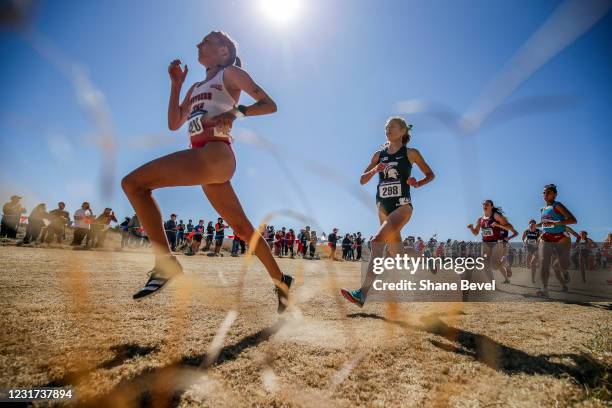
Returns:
(280,11)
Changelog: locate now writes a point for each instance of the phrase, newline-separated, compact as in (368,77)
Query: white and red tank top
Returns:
(208,99)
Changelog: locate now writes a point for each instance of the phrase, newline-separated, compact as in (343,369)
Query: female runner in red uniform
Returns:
(490,225)
(210,107)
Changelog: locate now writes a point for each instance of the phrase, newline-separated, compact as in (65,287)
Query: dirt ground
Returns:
(213,338)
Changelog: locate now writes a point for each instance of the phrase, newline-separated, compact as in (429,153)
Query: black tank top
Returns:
(393,181)
(532,236)
(584,245)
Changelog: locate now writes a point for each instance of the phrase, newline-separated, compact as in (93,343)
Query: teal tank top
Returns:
(550,213)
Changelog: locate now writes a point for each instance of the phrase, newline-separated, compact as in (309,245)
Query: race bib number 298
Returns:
(389,190)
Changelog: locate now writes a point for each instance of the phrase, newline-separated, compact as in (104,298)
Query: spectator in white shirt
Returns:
(83,218)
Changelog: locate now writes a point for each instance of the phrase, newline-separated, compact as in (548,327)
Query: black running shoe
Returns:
(283,293)
(159,276)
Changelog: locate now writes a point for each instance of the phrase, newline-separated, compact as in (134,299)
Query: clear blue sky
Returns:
(336,73)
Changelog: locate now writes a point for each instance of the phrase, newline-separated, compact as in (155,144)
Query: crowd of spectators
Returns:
(43,226)
(90,230)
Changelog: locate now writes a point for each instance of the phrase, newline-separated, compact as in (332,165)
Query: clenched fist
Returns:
(177,74)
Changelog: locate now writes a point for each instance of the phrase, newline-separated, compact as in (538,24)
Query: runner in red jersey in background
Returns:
(489,226)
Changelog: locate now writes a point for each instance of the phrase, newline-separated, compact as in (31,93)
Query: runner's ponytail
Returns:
(232,47)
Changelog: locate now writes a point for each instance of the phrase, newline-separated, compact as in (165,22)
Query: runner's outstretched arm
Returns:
(372,168)
(475,230)
(574,233)
(510,227)
(569,217)
(415,157)
(239,79)
(177,114)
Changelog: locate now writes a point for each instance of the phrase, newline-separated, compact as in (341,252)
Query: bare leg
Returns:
(497,254)
(226,203)
(487,253)
(533,263)
(558,273)
(394,243)
(213,163)
(389,232)
(503,268)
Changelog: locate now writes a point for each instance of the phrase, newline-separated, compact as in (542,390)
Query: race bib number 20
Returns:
(196,126)
(195,123)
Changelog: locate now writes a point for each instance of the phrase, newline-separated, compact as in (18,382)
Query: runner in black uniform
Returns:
(393,163)
(530,239)
(393,189)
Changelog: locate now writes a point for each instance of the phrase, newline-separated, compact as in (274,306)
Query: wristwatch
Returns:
(240,111)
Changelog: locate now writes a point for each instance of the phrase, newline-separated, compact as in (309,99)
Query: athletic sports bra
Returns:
(488,232)
(550,213)
(208,99)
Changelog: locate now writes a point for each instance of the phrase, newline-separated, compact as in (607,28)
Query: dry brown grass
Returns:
(68,319)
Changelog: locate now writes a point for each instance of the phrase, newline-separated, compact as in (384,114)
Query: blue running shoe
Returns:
(353,296)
